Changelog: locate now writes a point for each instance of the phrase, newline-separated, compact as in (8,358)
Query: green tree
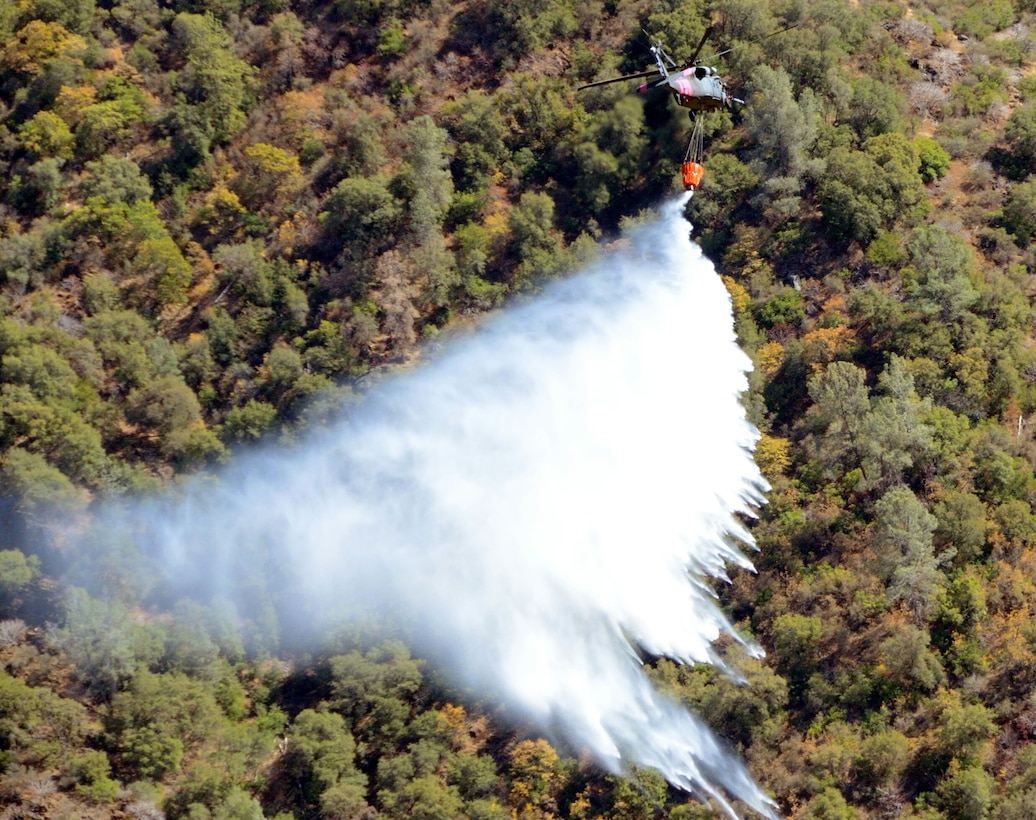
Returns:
(522,26)
(271,180)
(964,728)
(47,135)
(214,82)
(876,108)
(935,161)
(536,242)
(962,524)
(475,776)
(39,728)
(169,411)
(907,661)
(881,761)
(114,180)
(189,648)
(92,772)
(366,12)
(163,405)
(158,718)
(954,627)
(944,264)
(360,216)
(476,123)
(38,489)
(7,18)
(786,308)
(75,15)
(1018,806)
(17,571)
(540,113)
(680,22)
(829,804)
(796,647)
(105,124)
(47,374)
(982,20)
(322,753)
(609,154)
(903,530)
(130,349)
(427,798)
(1020,133)
(362,152)
(222,335)
(426,179)
(100,293)
(893,436)
(99,638)
(249,422)
(640,794)
(1019,214)
(840,404)
(374,691)
(728,183)
(55,430)
(35,193)
(1020,797)
(238,804)
(741,713)
(878,187)
(195,360)
(119,227)
(282,367)
(162,265)
(966,793)
(597,171)
(782,131)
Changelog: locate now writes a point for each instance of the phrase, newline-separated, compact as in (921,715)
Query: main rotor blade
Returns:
(701,43)
(637,76)
(723,53)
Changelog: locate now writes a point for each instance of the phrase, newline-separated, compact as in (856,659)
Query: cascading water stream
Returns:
(537,503)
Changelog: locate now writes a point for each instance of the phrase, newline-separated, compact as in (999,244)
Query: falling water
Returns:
(540,503)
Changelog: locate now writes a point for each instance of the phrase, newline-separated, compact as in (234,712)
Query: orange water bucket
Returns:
(692,174)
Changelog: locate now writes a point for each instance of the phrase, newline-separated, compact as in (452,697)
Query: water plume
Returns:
(541,503)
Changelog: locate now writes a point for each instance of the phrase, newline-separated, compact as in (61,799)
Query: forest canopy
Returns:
(219,219)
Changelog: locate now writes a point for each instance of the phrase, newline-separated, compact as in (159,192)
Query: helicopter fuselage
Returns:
(698,88)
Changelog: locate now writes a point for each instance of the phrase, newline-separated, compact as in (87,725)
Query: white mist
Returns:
(549,489)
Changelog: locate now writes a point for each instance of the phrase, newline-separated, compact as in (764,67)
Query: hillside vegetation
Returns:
(217,216)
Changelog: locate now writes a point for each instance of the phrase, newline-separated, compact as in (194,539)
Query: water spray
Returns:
(542,504)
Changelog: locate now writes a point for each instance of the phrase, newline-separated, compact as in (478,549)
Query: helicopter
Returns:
(694,86)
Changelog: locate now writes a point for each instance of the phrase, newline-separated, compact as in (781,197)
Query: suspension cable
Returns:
(696,146)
